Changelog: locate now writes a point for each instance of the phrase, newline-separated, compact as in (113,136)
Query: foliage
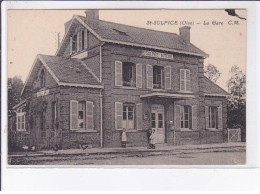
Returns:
(237,100)
(15,86)
(212,72)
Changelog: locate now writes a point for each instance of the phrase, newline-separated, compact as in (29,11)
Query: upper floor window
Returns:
(128,74)
(42,79)
(185,84)
(20,123)
(78,41)
(158,77)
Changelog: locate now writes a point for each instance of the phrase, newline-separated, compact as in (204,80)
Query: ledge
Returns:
(84,131)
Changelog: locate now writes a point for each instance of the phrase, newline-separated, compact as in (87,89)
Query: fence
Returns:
(234,135)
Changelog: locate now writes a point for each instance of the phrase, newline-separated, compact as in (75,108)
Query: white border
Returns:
(79,178)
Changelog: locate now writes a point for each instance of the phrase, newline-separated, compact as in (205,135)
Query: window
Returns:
(213,117)
(83,40)
(42,79)
(185,117)
(74,43)
(185,84)
(21,121)
(158,77)
(81,115)
(128,116)
(128,74)
(54,114)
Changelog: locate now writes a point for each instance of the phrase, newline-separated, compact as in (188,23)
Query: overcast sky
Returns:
(32,32)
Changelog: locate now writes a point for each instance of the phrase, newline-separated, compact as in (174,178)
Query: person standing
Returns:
(148,134)
(153,139)
(124,138)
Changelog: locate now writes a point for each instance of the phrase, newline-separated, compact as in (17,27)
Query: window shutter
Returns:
(182,79)
(118,73)
(177,117)
(188,83)
(139,74)
(85,39)
(139,116)
(17,122)
(73,114)
(71,45)
(89,115)
(194,117)
(220,118)
(78,42)
(149,76)
(207,116)
(118,115)
(167,73)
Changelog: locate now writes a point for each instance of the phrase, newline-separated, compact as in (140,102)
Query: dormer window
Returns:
(74,43)
(78,42)
(42,79)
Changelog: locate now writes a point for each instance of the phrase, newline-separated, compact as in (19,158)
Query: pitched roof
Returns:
(210,88)
(70,70)
(136,36)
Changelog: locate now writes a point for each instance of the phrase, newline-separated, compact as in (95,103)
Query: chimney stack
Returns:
(92,17)
(185,34)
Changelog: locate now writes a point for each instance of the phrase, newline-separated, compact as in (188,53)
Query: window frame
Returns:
(133,67)
(161,76)
(20,116)
(182,116)
(210,117)
(127,105)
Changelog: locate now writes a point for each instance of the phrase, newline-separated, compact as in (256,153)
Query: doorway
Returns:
(158,122)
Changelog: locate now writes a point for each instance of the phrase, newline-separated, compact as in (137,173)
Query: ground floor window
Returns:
(213,117)
(21,121)
(128,116)
(185,117)
(81,115)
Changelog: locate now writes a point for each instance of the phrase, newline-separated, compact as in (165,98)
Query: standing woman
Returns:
(153,139)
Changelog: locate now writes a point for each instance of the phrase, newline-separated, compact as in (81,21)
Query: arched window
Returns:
(42,78)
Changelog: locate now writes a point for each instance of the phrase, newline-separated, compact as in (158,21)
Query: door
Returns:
(158,122)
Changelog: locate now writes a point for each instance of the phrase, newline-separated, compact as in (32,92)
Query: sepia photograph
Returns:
(126,87)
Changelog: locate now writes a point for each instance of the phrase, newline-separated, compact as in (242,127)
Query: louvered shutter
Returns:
(118,115)
(85,39)
(220,118)
(167,74)
(139,116)
(139,73)
(89,115)
(194,117)
(207,116)
(177,117)
(73,114)
(71,42)
(118,73)
(149,76)
(182,79)
(188,82)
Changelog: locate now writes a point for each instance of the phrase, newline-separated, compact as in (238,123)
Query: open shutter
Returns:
(118,73)
(182,79)
(139,116)
(85,39)
(167,73)
(118,115)
(89,115)
(207,116)
(177,117)
(71,45)
(194,117)
(149,76)
(220,118)
(73,114)
(139,74)
(188,83)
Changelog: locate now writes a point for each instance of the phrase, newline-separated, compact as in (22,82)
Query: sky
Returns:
(32,32)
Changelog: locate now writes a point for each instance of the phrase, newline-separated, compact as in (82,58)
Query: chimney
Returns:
(92,18)
(185,34)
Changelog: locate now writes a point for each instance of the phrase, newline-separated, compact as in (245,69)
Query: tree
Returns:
(212,72)
(15,86)
(236,100)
